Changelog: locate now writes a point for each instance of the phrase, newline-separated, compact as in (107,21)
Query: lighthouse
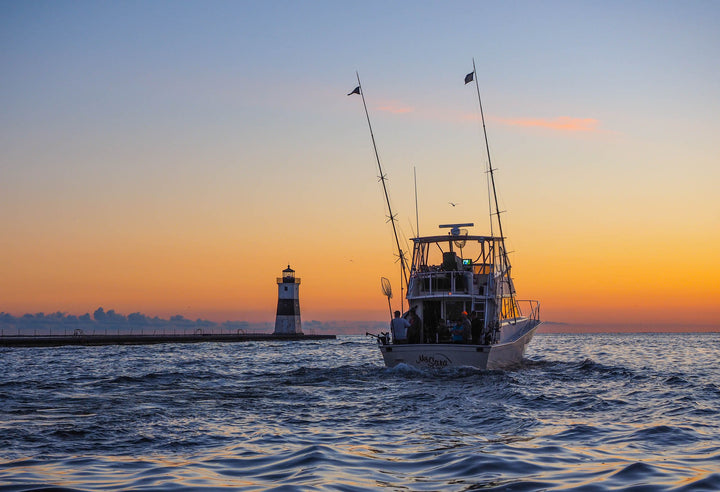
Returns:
(287,319)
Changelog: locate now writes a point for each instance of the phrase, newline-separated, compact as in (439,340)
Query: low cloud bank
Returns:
(103,322)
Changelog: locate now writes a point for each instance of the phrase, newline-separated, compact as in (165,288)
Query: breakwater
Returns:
(128,339)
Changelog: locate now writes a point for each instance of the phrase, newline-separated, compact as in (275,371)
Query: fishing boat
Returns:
(462,305)
(463,310)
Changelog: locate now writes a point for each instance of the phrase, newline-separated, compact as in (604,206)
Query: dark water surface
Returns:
(584,412)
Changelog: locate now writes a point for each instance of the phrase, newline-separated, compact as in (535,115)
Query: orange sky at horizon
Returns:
(202,281)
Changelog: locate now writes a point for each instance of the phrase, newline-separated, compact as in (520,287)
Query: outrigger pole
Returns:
(505,262)
(383,178)
(417,215)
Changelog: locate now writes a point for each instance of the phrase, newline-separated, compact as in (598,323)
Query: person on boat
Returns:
(456,333)
(430,325)
(399,327)
(414,331)
(476,328)
(491,335)
(466,327)
(443,333)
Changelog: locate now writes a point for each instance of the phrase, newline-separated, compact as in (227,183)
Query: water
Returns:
(584,412)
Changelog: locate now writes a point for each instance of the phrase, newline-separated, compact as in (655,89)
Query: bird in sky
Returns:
(453,204)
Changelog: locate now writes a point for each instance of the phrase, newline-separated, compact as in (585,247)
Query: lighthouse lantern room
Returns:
(287,319)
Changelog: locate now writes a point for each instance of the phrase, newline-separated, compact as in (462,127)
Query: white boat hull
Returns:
(503,355)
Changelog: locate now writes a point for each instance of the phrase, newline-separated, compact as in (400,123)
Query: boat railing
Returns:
(442,283)
(529,308)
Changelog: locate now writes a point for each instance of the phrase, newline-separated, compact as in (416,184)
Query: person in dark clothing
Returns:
(415,329)
(476,327)
(466,327)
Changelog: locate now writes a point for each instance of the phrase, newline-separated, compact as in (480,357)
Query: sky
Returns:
(173,157)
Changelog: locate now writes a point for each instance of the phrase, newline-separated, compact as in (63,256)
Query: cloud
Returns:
(395,108)
(561,123)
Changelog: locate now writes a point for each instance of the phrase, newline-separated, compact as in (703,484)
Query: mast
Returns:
(504,262)
(392,218)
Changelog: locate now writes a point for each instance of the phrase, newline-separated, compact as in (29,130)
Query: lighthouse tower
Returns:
(287,319)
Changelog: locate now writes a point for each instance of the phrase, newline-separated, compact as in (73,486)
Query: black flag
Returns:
(469,77)
(356,90)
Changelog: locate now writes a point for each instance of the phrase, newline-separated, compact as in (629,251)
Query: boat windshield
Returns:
(471,254)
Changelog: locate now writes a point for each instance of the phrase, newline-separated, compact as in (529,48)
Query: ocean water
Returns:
(584,412)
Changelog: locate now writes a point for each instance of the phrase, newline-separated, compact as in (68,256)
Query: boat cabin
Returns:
(459,282)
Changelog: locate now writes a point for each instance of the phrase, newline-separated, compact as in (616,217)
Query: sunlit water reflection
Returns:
(589,412)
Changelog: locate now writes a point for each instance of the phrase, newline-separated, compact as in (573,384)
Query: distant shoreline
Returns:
(111,323)
(569,328)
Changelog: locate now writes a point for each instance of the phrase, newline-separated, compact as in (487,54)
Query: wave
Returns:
(584,415)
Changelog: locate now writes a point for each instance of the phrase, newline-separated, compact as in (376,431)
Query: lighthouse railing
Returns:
(283,280)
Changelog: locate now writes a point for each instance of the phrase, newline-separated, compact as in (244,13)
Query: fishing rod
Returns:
(382,338)
(383,178)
